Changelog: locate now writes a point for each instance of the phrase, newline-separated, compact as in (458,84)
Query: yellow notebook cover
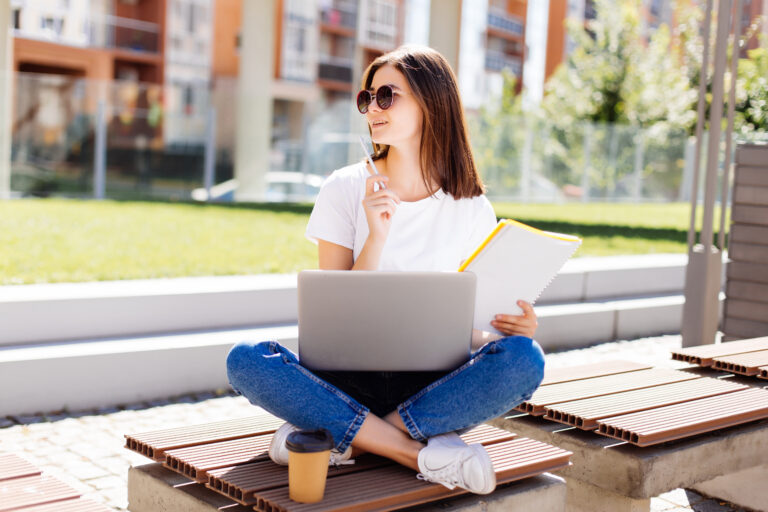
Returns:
(515,262)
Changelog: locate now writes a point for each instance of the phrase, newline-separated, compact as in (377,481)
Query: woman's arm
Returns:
(337,257)
(379,208)
(333,256)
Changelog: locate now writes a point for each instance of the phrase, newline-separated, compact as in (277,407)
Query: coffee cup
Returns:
(309,452)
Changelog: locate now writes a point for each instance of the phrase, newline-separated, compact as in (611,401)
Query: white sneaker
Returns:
(449,461)
(278,451)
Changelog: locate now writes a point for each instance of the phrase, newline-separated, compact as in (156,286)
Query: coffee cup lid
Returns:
(309,441)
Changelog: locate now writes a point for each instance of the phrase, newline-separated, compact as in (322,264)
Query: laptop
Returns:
(385,321)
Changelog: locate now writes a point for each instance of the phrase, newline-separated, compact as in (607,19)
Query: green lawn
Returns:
(58,240)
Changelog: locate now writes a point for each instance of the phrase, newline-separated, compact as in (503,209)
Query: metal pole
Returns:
(587,156)
(701,310)
(99,158)
(700,113)
(715,121)
(638,174)
(729,131)
(6,86)
(525,168)
(209,166)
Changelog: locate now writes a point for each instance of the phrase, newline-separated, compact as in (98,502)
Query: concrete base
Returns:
(152,487)
(643,473)
(744,488)
(123,371)
(584,497)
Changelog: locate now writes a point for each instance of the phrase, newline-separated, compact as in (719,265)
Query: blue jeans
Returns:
(497,377)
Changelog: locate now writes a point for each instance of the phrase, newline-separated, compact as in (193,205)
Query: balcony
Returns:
(341,14)
(129,34)
(378,27)
(335,69)
(97,32)
(505,23)
(497,61)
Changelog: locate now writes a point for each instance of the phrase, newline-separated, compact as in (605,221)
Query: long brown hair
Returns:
(446,157)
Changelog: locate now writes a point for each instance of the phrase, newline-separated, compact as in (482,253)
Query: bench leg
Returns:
(744,488)
(584,497)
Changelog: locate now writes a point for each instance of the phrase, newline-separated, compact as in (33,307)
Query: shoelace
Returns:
(440,476)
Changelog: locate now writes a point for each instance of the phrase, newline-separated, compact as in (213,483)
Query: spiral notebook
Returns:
(515,262)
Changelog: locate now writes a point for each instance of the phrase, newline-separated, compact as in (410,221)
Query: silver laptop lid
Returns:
(385,321)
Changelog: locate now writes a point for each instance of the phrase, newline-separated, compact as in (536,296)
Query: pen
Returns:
(370,160)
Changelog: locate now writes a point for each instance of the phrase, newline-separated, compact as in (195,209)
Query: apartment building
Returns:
(140,56)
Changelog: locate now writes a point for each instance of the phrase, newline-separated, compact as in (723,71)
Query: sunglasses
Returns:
(384,97)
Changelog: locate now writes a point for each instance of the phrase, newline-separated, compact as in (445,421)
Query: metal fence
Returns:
(122,140)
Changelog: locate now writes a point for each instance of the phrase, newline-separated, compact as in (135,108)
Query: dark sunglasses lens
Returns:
(384,97)
(363,100)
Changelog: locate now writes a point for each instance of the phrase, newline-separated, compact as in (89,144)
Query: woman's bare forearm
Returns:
(370,255)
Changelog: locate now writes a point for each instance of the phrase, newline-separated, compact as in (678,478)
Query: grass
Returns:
(59,240)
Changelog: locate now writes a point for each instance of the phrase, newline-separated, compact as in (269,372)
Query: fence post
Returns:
(587,163)
(209,166)
(638,173)
(525,167)
(686,183)
(100,157)
(6,85)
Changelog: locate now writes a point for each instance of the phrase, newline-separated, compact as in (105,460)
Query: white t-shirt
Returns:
(436,233)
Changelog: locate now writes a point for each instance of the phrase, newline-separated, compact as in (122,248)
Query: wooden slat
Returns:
(195,461)
(740,328)
(747,310)
(748,234)
(154,444)
(749,252)
(745,364)
(13,466)
(751,175)
(33,490)
(749,214)
(243,482)
(752,155)
(750,194)
(747,290)
(585,413)
(745,271)
(586,371)
(686,419)
(598,386)
(395,487)
(703,355)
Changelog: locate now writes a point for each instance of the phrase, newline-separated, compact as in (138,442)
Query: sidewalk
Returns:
(85,449)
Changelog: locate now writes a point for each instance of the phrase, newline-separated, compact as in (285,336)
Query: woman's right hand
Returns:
(379,207)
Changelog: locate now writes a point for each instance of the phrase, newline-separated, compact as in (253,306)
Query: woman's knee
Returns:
(524,359)
(245,357)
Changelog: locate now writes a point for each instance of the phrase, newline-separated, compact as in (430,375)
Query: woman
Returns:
(425,211)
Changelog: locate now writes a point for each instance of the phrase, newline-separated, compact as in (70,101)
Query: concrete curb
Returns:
(79,311)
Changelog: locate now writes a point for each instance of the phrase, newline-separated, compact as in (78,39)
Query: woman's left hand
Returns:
(517,325)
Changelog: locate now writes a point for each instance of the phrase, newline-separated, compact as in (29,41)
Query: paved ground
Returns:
(85,449)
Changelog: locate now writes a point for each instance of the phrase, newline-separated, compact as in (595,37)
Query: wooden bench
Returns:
(225,464)
(26,488)
(637,432)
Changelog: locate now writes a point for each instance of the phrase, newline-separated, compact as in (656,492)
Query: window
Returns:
(51,24)
(191,19)
(188,100)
